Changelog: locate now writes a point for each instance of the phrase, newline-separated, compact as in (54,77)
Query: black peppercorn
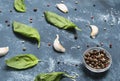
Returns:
(35,9)
(110,45)
(97,46)
(75,9)
(30,21)
(76,65)
(94,5)
(75,36)
(24,49)
(8,25)
(58,62)
(92,17)
(88,46)
(10,10)
(48,5)
(6,21)
(49,44)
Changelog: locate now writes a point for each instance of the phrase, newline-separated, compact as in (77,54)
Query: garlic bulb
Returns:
(94,31)
(57,46)
(4,51)
(62,7)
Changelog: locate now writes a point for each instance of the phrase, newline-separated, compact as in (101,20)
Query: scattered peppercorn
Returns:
(105,20)
(35,9)
(94,5)
(49,44)
(58,62)
(75,9)
(88,46)
(31,19)
(112,24)
(104,28)
(97,46)
(75,36)
(76,2)
(101,43)
(76,65)
(48,5)
(24,49)
(8,25)
(10,10)
(92,17)
(6,21)
(110,45)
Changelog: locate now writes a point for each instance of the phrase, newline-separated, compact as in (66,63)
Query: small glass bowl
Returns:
(93,69)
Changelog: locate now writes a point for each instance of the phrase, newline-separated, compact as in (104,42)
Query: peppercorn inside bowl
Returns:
(97,59)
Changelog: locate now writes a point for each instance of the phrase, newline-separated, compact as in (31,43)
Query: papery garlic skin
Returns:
(62,7)
(4,50)
(57,46)
(94,31)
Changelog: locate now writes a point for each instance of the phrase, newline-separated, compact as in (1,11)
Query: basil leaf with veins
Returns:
(54,76)
(19,5)
(59,21)
(26,31)
(22,61)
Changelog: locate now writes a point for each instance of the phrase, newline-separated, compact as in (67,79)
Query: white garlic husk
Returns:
(62,7)
(57,46)
(94,31)
(4,50)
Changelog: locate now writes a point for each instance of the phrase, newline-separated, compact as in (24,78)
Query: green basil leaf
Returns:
(22,61)
(19,5)
(26,31)
(59,21)
(54,76)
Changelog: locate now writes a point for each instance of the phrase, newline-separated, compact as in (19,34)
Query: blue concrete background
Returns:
(105,14)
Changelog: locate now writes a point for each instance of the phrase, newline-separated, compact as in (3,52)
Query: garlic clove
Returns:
(94,31)
(4,50)
(62,7)
(57,46)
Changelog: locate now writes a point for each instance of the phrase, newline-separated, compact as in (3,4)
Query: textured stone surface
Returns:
(102,13)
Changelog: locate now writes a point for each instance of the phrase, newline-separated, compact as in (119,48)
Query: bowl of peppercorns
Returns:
(97,59)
